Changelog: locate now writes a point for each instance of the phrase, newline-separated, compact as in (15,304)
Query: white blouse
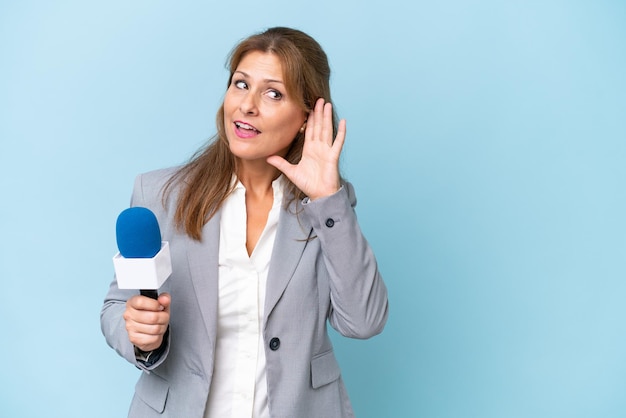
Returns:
(239,386)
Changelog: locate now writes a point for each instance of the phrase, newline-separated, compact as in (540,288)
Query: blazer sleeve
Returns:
(359,305)
(111,316)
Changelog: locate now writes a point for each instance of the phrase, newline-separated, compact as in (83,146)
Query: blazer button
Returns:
(330,223)
(274,344)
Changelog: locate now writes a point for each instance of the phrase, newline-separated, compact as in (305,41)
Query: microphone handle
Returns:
(149,293)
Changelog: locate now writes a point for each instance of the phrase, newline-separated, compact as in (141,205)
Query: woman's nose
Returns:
(248,105)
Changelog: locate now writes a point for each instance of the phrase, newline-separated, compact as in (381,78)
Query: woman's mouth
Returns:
(244,130)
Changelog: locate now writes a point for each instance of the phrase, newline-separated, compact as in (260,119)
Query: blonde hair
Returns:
(205,181)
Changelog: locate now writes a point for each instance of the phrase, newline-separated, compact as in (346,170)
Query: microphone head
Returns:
(138,234)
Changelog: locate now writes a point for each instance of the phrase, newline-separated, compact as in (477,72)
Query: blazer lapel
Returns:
(203,258)
(291,239)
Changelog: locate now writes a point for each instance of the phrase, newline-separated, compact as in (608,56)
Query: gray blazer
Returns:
(322,270)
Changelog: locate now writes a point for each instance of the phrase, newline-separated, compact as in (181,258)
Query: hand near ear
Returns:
(317,173)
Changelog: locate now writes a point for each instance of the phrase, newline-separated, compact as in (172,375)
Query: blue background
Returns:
(486,141)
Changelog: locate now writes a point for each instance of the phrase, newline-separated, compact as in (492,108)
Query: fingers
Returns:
(327,124)
(315,121)
(320,125)
(341,136)
(144,303)
(147,320)
(165,300)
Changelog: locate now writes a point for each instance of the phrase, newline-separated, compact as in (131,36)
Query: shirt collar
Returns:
(278,185)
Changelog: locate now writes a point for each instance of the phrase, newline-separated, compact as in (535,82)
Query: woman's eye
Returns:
(273,94)
(240,84)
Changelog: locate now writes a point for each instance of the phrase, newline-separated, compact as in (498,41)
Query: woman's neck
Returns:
(257,177)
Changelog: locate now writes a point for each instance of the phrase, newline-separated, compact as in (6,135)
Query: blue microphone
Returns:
(138,234)
(143,261)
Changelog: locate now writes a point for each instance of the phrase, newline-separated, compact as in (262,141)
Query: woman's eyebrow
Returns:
(267,80)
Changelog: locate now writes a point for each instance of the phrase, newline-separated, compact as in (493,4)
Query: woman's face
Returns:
(260,118)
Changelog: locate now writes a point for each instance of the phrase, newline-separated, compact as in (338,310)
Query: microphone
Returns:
(143,261)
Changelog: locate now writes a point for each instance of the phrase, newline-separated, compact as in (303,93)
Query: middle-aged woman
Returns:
(266,249)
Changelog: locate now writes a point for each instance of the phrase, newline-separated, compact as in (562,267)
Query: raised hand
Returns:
(317,173)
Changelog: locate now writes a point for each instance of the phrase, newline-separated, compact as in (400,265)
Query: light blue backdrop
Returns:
(486,140)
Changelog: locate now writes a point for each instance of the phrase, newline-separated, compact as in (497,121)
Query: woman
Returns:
(265,249)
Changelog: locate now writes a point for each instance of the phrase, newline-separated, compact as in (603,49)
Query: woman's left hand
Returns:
(317,173)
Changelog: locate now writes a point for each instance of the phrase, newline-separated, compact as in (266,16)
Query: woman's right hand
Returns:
(147,320)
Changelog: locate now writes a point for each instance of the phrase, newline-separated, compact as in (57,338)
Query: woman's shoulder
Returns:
(155,179)
(161,175)
(149,186)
